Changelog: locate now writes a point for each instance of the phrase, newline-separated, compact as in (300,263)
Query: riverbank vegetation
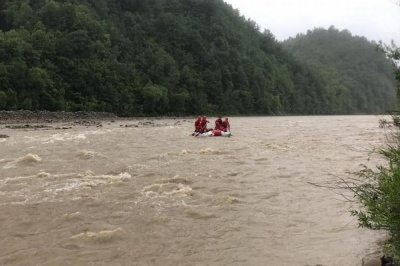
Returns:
(181,57)
(379,190)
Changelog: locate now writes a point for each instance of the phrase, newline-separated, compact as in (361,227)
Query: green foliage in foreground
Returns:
(379,195)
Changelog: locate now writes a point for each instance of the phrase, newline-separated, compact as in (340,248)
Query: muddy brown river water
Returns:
(153,195)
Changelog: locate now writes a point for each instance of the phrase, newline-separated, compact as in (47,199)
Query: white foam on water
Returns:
(150,194)
(101,237)
(261,159)
(72,216)
(86,174)
(65,137)
(138,167)
(20,179)
(42,175)
(99,132)
(180,190)
(176,179)
(167,190)
(91,175)
(56,138)
(224,200)
(67,187)
(29,159)
(210,151)
(90,179)
(46,187)
(86,154)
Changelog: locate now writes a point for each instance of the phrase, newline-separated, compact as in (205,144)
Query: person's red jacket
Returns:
(197,123)
(203,124)
(225,125)
(218,124)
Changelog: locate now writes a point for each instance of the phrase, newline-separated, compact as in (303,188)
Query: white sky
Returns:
(374,19)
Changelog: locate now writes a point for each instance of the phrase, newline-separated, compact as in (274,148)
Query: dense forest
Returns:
(351,67)
(178,57)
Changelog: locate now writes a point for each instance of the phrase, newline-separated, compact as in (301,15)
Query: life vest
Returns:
(218,124)
(217,132)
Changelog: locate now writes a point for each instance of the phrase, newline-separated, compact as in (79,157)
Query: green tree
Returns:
(3,100)
(155,98)
(11,97)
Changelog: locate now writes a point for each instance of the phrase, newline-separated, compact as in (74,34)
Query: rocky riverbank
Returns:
(21,117)
(45,120)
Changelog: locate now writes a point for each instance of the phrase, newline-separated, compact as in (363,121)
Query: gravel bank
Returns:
(19,117)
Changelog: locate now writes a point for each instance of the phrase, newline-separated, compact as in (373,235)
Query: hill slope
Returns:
(138,57)
(357,76)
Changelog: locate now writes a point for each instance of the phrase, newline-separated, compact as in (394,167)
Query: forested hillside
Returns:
(356,75)
(161,57)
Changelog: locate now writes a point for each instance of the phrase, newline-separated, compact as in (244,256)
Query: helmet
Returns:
(204,117)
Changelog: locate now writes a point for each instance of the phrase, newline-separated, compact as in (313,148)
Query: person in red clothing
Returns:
(225,125)
(203,124)
(218,123)
(197,124)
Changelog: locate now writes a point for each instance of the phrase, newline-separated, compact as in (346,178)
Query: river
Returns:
(150,194)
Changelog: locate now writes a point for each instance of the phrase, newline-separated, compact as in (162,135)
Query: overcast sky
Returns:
(374,19)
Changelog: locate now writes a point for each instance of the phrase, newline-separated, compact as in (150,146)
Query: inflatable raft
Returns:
(213,133)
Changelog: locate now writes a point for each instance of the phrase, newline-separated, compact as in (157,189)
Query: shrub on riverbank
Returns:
(379,194)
